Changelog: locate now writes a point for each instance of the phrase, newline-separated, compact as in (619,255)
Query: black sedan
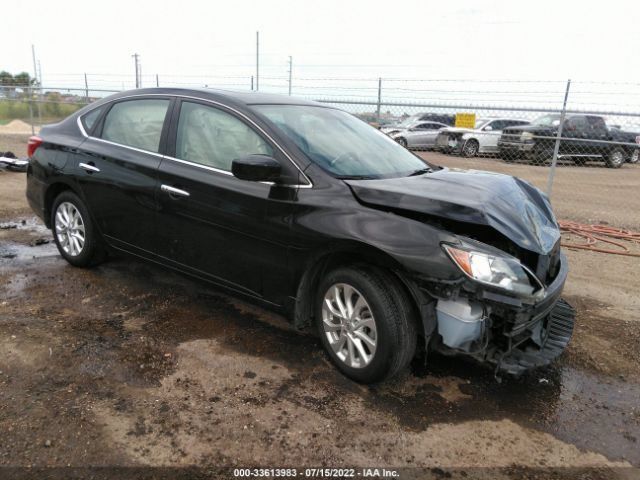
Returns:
(310,211)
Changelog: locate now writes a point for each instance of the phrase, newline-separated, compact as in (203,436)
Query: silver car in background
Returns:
(419,135)
(483,138)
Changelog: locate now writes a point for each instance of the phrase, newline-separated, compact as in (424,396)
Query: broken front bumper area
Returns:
(555,330)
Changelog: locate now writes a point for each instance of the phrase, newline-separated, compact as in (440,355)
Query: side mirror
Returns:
(256,168)
(488,128)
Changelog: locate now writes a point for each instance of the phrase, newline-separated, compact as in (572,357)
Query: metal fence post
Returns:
(556,148)
(30,93)
(379,100)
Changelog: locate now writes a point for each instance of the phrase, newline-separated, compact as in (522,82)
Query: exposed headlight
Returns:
(526,136)
(501,272)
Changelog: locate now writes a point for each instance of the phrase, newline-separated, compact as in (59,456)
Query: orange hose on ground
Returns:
(600,233)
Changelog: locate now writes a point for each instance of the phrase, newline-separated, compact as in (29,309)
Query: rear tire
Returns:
(402,141)
(616,158)
(635,156)
(74,233)
(389,316)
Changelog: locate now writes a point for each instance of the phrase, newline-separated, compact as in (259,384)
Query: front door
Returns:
(210,223)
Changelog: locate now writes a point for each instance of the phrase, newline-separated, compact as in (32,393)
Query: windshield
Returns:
(547,121)
(341,144)
(480,122)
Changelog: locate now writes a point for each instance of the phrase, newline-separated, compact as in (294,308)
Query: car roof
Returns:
(238,98)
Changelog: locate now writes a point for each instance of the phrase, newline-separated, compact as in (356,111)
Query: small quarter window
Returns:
(136,123)
(89,119)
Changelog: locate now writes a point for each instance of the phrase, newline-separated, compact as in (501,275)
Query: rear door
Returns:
(423,134)
(117,168)
(210,223)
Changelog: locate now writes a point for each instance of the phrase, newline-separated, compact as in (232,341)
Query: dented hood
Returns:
(511,206)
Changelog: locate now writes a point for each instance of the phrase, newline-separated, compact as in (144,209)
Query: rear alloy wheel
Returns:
(470,148)
(616,158)
(73,231)
(366,323)
(402,141)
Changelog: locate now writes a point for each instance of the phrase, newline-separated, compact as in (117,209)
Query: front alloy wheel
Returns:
(366,322)
(349,325)
(69,229)
(471,148)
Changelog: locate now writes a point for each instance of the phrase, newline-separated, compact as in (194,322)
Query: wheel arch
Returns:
(52,191)
(354,253)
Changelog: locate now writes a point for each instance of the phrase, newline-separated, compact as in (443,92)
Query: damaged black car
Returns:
(309,211)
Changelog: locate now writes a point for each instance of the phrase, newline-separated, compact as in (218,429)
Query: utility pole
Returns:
(137,67)
(86,89)
(157,81)
(40,73)
(35,68)
(290,72)
(252,83)
(257,61)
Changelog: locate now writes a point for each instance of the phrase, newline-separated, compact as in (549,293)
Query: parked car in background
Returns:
(419,135)
(305,209)
(409,122)
(483,138)
(584,138)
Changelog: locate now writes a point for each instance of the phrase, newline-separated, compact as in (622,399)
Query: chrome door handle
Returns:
(174,191)
(89,168)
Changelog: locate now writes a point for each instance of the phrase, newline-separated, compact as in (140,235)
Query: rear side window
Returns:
(214,138)
(89,120)
(136,123)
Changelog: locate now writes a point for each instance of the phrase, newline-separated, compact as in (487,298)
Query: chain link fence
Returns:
(577,141)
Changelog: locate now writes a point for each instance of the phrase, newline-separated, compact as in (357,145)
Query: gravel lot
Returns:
(130,365)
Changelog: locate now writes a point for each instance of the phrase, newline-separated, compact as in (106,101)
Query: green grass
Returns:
(50,111)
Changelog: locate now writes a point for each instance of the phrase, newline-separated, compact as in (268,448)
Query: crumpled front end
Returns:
(450,141)
(510,331)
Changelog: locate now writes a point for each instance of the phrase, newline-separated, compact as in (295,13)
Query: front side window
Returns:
(341,144)
(136,123)
(212,137)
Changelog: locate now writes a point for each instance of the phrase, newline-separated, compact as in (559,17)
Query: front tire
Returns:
(403,142)
(470,148)
(366,323)
(74,232)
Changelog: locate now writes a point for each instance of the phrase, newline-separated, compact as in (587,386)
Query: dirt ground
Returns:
(129,365)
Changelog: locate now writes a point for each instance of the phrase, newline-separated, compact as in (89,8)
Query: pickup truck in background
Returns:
(584,138)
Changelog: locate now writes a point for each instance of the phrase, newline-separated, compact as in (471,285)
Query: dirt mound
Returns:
(17,126)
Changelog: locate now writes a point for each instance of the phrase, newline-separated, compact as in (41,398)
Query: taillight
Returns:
(638,139)
(33,144)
